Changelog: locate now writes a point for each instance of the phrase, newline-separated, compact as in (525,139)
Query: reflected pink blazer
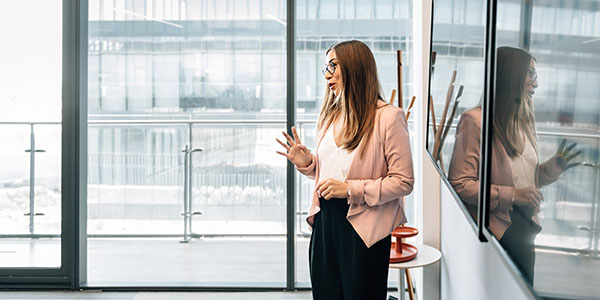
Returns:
(378,180)
(463,173)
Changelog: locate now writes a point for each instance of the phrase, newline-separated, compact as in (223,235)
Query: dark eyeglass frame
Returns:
(532,74)
(330,65)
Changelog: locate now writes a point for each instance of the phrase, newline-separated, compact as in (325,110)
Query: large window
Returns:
(30,131)
(210,75)
(207,76)
(385,26)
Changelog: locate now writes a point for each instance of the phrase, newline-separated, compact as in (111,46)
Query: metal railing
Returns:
(188,150)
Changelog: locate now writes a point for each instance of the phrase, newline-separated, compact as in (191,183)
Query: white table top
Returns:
(427,255)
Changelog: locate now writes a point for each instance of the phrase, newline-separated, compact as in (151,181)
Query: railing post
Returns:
(32,152)
(185,214)
(187,188)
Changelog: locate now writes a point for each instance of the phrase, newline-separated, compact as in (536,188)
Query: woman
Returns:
(362,168)
(516,174)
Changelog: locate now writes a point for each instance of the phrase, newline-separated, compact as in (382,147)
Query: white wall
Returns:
(471,269)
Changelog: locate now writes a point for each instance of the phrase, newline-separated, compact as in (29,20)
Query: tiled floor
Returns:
(154,296)
(207,262)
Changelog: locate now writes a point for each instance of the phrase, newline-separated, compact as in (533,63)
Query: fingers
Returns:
(327,193)
(323,188)
(318,187)
(284,154)
(286,146)
(296,136)
(570,148)
(569,157)
(289,139)
(537,195)
(562,146)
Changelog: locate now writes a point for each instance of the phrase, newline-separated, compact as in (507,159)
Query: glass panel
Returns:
(30,181)
(456,90)
(384,34)
(545,159)
(204,74)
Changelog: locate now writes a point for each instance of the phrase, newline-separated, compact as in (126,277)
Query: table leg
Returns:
(401,284)
(409,285)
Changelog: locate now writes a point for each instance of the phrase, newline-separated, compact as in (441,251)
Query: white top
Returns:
(334,161)
(523,167)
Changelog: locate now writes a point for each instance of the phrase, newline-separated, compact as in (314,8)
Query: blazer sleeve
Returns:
(463,173)
(310,170)
(549,171)
(399,179)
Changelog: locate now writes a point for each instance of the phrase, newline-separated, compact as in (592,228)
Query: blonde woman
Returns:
(362,168)
(516,174)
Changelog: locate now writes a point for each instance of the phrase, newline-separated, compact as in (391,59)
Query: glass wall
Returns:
(30,130)
(203,75)
(385,26)
(210,75)
(546,140)
(456,90)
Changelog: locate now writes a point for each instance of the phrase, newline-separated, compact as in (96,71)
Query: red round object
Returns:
(409,252)
(405,232)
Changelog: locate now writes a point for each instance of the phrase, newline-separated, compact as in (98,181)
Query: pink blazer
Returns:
(378,180)
(463,173)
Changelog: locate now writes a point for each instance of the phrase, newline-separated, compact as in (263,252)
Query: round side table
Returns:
(427,255)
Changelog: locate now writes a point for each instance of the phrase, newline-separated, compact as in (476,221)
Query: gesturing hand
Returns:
(331,188)
(297,153)
(563,155)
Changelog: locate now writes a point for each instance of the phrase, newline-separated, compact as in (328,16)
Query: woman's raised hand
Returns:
(297,153)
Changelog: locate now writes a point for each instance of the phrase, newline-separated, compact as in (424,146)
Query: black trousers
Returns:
(518,240)
(341,265)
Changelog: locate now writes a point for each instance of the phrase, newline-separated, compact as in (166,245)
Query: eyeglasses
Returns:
(329,68)
(532,74)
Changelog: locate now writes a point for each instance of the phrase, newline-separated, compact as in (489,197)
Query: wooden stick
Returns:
(412,102)
(439,157)
(442,164)
(447,128)
(399,57)
(451,119)
(433,58)
(409,284)
(432,116)
(449,94)
(393,96)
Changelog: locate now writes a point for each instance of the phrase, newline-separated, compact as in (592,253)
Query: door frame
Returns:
(72,272)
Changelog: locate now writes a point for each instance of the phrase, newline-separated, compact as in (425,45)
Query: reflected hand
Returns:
(331,188)
(564,155)
(297,153)
(529,196)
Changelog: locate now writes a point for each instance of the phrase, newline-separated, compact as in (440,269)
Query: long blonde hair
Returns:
(514,115)
(360,91)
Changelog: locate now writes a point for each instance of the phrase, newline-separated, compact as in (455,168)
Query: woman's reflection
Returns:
(516,174)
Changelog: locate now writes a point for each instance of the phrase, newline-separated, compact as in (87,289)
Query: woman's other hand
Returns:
(297,153)
(331,188)
(529,196)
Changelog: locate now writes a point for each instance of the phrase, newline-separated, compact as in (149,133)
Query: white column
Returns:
(427,200)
